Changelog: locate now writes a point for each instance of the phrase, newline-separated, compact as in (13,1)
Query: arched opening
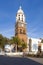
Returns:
(20,31)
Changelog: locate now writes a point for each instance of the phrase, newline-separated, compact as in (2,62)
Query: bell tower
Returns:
(20,27)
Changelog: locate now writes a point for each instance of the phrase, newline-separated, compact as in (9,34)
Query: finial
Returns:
(20,7)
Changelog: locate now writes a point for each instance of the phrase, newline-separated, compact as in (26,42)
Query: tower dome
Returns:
(20,10)
(20,17)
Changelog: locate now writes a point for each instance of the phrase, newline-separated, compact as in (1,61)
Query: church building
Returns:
(20,31)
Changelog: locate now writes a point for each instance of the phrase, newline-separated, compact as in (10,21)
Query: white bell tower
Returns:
(20,17)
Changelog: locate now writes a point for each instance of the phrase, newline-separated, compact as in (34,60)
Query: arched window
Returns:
(39,49)
(22,18)
(19,17)
(20,31)
(24,32)
(30,41)
(22,40)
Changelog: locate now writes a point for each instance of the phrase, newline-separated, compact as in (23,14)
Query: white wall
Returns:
(34,44)
(41,46)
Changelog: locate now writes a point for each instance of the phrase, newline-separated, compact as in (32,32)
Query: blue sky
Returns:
(33,10)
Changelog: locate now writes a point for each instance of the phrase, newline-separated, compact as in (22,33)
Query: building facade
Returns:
(34,45)
(20,31)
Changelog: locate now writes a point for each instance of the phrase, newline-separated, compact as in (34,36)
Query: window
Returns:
(24,32)
(22,40)
(39,49)
(19,17)
(30,41)
(22,18)
(20,31)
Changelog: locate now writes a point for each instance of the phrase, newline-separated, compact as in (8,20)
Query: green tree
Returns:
(24,46)
(3,41)
(16,41)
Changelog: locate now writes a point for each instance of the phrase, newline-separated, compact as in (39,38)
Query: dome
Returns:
(20,15)
(20,10)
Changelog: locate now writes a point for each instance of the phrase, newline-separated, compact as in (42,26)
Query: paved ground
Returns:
(40,60)
(4,60)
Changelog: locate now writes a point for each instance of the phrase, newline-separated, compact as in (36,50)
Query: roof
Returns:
(20,10)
